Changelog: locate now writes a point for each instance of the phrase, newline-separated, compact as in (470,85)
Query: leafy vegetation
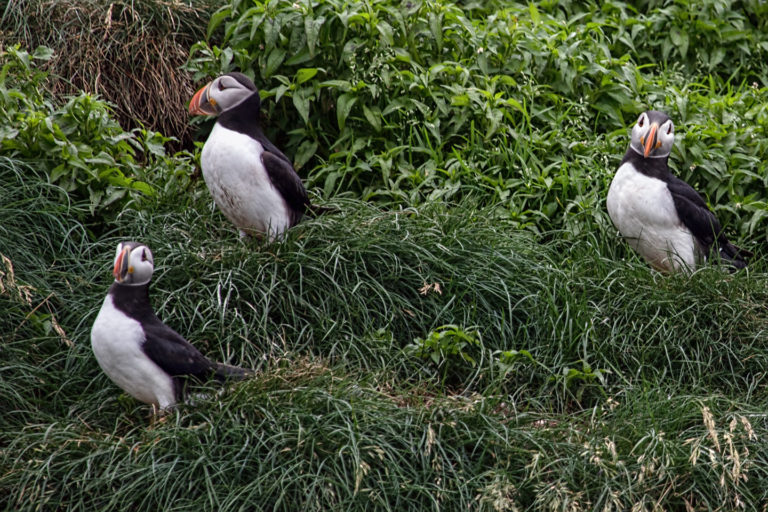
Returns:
(127,53)
(465,332)
(521,105)
(80,146)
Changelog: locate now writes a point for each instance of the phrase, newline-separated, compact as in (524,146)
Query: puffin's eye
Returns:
(640,121)
(143,255)
(669,130)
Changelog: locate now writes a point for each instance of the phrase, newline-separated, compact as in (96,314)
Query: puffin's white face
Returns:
(653,135)
(222,94)
(133,263)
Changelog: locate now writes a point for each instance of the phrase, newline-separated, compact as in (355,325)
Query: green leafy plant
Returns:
(450,348)
(527,106)
(414,102)
(80,146)
(577,381)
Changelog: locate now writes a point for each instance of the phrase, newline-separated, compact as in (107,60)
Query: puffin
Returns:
(252,182)
(661,216)
(137,351)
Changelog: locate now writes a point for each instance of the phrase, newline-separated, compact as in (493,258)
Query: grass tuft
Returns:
(594,381)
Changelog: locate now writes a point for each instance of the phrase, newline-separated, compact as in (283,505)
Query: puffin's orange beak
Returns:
(201,104)
(650,142)
(118,271)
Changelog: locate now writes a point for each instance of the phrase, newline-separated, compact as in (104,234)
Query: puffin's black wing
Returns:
(288,183)
(700,220)
(171,352)
(694,212)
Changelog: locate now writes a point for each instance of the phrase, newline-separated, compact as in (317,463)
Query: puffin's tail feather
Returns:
(736,256)
(226,372)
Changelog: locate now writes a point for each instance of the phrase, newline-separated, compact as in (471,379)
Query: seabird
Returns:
(142,355)
(251,181)
(661,216)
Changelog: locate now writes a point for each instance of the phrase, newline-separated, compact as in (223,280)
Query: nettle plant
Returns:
(79,145)
(522,105)
(453,350)
(409,102)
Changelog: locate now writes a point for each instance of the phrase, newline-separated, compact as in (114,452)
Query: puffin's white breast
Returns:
(643,210)
(116,340)
(239,184)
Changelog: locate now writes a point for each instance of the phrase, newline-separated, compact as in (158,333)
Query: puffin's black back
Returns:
(164,346)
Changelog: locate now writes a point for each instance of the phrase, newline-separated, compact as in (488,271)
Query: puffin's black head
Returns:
(133,263)
(653,135)
(222,94)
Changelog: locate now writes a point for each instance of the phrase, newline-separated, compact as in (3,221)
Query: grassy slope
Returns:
(339,415)
(640,390)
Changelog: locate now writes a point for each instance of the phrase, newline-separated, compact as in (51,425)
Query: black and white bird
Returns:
(142,355)
(252,182)
(661,216)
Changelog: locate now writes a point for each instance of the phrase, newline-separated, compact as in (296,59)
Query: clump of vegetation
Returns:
(78,144)
(127,53)
(614,367)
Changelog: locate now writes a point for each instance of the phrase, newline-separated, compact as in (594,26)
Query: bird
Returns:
(252,182)
(137,351)
(661,216)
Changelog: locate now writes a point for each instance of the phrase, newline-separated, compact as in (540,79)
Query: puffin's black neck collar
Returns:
(654,167)
(245,118)
(133,300)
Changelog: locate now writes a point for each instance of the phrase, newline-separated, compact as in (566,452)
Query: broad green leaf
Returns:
(373,116)
(144,188)
(535,16)
(394,105)
(387,34)
(58,172)
(272,28)
(312,29)
(306,150)
(716,57)
(301,102)
(460,100)
(299,58)
(216,19)
(305,74)
(274,60)
(436,29)
(256,20)
(344,105)
(42,53)
(341,84)
(225,58)
(280,91)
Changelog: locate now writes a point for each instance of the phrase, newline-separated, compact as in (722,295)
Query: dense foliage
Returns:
(521,105)
(465,331)
(78,144)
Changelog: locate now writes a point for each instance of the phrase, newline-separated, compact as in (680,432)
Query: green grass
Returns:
(467,331)
(640,388)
